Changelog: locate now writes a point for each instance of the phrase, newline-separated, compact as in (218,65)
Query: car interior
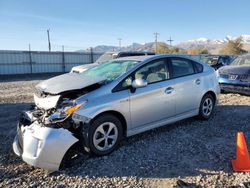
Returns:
(153,72)
(182,68)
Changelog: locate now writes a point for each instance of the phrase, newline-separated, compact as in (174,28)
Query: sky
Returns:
(80,24)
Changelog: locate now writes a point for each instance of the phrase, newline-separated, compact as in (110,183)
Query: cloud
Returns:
(41,17)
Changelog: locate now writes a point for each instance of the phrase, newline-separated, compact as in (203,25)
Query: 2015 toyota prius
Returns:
(117,99)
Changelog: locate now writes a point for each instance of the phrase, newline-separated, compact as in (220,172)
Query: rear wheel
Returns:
(105,134)
(206,107)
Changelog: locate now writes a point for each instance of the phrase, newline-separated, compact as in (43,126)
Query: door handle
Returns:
(169,90)
(198,81)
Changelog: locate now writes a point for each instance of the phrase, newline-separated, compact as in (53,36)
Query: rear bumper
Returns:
(42,147)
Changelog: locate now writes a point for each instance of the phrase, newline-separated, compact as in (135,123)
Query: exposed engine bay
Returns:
(55,110)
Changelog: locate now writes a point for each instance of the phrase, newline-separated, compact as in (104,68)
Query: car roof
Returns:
(152,57)
(135,58)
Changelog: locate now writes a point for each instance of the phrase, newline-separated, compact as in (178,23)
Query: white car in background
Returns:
(106,57)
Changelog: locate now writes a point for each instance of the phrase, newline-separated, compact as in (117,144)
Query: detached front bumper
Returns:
(41,146)
(235,88)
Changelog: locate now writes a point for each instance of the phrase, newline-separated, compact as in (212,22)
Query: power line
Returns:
(156,38)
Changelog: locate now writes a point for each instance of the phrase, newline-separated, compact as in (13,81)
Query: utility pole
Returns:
(120,43)
(49,39)
(170,41)
(156,37)
(29,48)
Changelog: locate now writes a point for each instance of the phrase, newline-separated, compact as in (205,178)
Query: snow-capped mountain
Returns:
(133,47)
(211,44)
(245,38)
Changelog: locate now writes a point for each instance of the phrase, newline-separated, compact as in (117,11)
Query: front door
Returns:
(156,101)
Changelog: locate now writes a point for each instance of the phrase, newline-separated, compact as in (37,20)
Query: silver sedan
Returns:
(106,103)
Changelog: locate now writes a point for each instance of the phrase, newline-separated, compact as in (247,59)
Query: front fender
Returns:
(121,107)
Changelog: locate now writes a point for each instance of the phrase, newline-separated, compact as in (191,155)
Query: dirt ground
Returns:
(196,152)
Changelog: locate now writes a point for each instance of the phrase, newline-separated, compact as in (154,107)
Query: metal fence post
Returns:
(30,58)
(63,61)
(91,55)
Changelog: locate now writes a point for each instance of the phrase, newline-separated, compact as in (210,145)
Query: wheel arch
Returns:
(118,115)
(211,93)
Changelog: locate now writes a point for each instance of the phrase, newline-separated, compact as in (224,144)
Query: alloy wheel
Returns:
(207,106)
(105,136)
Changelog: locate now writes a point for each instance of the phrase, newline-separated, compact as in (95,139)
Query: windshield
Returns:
(112,69)
(211,60)
(105,57)
(243,60)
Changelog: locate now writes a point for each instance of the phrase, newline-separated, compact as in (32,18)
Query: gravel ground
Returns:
(194,151)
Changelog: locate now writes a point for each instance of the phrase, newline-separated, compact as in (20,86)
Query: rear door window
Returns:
(181,67)
(198,67)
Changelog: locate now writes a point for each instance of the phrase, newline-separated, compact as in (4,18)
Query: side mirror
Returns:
(138,83)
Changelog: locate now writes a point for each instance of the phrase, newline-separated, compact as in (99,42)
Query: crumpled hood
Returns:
(67,82)
(235,70)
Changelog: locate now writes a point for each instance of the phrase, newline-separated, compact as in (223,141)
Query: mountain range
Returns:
(213,45)
(133,47)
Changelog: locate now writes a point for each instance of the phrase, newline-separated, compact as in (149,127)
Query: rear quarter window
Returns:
(198,67)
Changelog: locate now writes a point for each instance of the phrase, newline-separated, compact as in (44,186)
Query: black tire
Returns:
(70,156)
(222,91)
(93,131)
(202,112)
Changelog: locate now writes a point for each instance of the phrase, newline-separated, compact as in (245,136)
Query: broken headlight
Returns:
(62,114)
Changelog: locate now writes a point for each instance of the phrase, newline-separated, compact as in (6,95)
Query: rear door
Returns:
(188,83)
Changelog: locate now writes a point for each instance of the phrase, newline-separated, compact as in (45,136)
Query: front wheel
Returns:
(206,107)
(105,134)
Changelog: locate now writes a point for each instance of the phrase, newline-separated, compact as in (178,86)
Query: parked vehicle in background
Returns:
(218,61)
(106,57)
(126,54)
(236,77)
(117,99)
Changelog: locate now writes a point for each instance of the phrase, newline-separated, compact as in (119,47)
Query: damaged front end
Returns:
(47,131)
(55,111)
